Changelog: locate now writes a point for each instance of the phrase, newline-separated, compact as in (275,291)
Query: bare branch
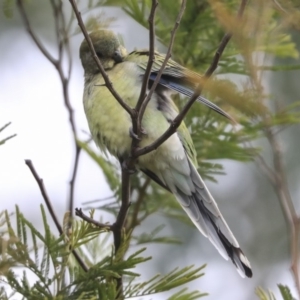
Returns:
(125,204)
(108,84)
(279,7)
(47,200)
(167,57)
(288,208)
(151,57)
(3,141)
(62,45)
(266,169)
(80,214)
(73,180)
(142,192)
(33,35)
(177,121)
(40,183)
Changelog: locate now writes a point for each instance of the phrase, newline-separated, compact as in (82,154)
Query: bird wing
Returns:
(205,214)
(179,176)
(174,77)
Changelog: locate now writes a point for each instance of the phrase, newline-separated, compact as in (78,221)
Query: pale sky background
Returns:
(31,98)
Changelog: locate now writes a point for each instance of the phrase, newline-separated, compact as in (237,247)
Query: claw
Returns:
(143,131)
(129,170)
(133,135)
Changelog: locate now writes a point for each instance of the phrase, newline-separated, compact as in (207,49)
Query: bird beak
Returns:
(117,56)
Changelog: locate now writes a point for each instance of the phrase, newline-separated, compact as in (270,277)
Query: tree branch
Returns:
(177,121)
(47,200)
(151,56)
(80,214)
(167,57)
(142,192)
(288,208)
(62,45)
(128,165)
(32,34)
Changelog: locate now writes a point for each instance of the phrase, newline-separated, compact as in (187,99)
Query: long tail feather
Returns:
(204,212)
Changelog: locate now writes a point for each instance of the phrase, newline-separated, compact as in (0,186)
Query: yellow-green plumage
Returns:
(173,164)
(111,129)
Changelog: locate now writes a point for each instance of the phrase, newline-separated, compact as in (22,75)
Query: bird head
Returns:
(108,49)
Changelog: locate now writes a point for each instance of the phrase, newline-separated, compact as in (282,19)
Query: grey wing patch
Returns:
(187,88)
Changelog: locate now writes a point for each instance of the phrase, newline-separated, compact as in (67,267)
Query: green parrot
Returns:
(173,164)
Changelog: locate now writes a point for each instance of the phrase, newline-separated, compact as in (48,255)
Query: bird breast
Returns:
(109,123)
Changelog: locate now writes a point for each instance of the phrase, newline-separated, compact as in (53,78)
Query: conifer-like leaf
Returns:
(158,284)
(263,295)
(285,292)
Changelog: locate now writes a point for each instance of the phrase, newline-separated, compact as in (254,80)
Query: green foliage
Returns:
(261,36)
(58,276)
(50,257)
(264,295)
(165,283)
(8,8)
(214,138)
(284,291)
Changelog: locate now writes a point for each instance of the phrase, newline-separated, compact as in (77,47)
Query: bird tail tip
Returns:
(241,262)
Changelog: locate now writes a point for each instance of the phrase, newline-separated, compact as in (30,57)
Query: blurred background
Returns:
(31,98)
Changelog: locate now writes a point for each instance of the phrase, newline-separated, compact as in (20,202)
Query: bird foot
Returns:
(130,170)
(143,131)
(134,135)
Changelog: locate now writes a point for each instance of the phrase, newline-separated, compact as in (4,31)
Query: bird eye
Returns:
(99,54)
(117,56)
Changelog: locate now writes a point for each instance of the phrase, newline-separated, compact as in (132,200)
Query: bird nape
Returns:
(172,165)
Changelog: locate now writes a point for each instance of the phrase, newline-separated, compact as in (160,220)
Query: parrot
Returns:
(173,164)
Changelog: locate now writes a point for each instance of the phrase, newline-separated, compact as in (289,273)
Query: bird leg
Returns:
(131,170)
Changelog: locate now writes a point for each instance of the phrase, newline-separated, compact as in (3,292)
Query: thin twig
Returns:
(142,192)
(32,34)
(179,118)
(62,44)
(277,176)
(7,138)
(119,224)
(259,160)
(41,185)
(282,190)
(279,7)
(80,214)
(47,200)
(163,66)
(128,164)
(73,180)
(151,55)
(108,83)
